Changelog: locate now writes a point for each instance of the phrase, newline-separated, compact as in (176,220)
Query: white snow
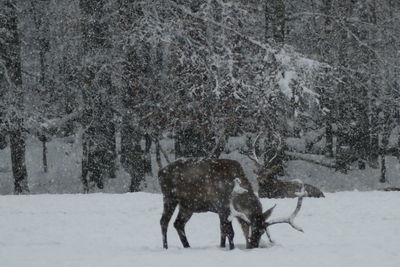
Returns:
(284,82)
(344,229)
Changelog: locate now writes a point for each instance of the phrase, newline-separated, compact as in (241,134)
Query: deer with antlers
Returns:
(269,185)
(219,186)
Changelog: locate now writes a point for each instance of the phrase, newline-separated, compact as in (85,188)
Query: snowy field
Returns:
(344,229)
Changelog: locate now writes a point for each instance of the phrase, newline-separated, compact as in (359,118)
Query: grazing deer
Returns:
(390,189)
(219,186)
(269,185)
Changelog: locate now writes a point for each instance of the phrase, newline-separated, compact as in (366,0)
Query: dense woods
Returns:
(122,76)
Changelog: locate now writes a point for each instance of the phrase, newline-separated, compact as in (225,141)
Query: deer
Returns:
(269,185)
(219,186)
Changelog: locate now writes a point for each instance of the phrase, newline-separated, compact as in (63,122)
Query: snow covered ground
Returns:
(344,229)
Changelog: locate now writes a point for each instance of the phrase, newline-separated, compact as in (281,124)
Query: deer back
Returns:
(202,185)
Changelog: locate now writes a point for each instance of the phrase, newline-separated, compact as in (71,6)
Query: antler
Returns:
(290,219)
(278,148)
(254,157)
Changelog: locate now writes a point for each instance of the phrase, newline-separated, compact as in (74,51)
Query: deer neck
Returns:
(247,204)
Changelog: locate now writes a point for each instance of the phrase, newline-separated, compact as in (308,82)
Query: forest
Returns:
(136,84)
(257,117)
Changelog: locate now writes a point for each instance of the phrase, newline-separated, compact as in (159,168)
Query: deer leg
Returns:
(223,235)
(169,208)
(226,230)
(246,230)
(179,224)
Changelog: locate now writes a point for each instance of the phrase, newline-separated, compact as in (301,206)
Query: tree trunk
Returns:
(398,149)
(85,169)
(158,153)
(386,131)
(40,18)
(110,148)
(344,113)
(137,170)
(326,54)
(17,143)
(113,147)
(384,144)
(44,155)
(132,156)
(329,139)
(10,54)
(383,169)
(98,157)
(147,155)
(342,151)
(373,157)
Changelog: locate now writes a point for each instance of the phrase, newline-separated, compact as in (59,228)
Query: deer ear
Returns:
(268,212)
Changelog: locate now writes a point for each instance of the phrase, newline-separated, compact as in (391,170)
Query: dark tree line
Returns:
(132,72)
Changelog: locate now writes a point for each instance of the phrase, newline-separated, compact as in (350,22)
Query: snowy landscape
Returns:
(350,228)
(344,229)
(114,113)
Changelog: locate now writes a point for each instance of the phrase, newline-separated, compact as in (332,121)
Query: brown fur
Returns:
(390,189)
(207,185)
(199,184)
